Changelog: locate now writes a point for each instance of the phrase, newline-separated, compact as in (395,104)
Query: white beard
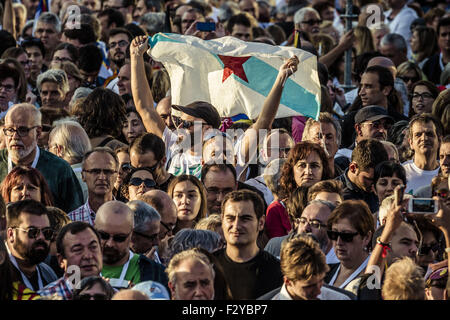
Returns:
(17,155)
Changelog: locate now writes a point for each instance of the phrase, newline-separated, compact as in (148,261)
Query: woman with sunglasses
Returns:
(306,165)
(429,249)
(137,182)
(350,228)
(410,73)
(423,94)
(189,196)
(93,288)
(26,183)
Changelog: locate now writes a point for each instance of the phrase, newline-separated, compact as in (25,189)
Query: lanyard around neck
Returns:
(24,277)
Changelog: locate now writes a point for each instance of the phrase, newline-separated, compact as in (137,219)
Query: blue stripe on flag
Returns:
(294,96)
(152,41)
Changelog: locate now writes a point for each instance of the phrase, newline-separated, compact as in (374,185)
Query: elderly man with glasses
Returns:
(23,127)
(115,224)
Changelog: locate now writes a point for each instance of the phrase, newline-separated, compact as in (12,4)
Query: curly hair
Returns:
(35,178)
(301,151)
(104,113)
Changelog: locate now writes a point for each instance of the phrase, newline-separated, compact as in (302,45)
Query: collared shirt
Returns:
(61,287)
(83,213)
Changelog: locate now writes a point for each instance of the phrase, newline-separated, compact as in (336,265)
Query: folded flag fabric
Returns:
(236,76)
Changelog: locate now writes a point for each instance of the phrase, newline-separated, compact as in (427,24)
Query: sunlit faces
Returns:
(218,184)
(424,139)
(99,173)
(239,223)
(118,45)
(24,189)
(376,129)
(311,22)
(430,247)
(82,249)
(188,200)
(305,289)
(132,127)
(51,95)
(318,214)
(146,159)
(444,158)
(385,186)
(278,146)
(194,281)
(189,18)
(218,150)
(422,100)
(145,178)
(324,133)
(124,82)
(308,171)
(404,243)
(34,251)
(370,91)
(348,251)
(242,32)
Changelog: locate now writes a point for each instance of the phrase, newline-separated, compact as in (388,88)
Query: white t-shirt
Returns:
(416,177)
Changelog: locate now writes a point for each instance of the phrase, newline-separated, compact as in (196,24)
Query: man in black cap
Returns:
(371,122)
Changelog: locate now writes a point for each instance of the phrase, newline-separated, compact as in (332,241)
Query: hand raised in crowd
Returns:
(139,46)
(192,30)
(288,68)
(442,218)
(347,40)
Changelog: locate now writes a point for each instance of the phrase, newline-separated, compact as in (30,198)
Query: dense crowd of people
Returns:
(109,191)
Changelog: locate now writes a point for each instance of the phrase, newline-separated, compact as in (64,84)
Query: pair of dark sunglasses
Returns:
(116,238)
(149,183)
(424,250)
(126,167)
(33,232)
(152,237)
(345,236)
(95,296)
(184,123)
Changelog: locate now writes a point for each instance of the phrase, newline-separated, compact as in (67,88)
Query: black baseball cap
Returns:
(372,113)
(203,110)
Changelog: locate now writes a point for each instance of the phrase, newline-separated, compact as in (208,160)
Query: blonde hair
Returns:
(404,281)
(212,222)
(302,259)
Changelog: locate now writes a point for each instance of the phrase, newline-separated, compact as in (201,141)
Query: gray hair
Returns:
(386,205)
(143,214)
(192,238)
(324,117)
(34,112)
(79,93)
(329,204)
(153,22)
(300,14)
(50,18)
(57,76)
(396,40)
(272,174)
(74,139)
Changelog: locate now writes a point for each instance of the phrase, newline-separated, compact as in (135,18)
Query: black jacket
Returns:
(151,270)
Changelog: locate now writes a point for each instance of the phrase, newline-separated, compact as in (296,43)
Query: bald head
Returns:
(114,212)
(129,294)
(383,62)
(163,108)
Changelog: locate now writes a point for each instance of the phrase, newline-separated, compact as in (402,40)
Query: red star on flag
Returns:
(233,65)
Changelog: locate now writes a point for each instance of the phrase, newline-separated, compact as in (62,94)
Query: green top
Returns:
(61,179)
(133,273)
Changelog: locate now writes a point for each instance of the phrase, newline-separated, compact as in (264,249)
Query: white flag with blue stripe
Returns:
(236,76)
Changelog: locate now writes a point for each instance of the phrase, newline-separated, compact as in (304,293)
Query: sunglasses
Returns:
(151,238)
(116,238)
(33,232)
(149,183)
(345,236)
(126,167)
(184,123)
(46,128)
(95,296)
(312,22)
(424,250)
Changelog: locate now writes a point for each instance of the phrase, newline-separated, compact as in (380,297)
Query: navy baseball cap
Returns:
(372,113)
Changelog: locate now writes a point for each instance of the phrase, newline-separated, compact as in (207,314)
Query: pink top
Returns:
(298,125)
(277,220)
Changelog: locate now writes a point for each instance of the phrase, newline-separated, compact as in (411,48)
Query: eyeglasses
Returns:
(33,232)
(95,296)
(345,236)
(184,123)
(316,224)
(424,250)
(379,124)
(151,238)
(96,171)
(126,167)
(312,22)
(21,131)
(7,87)
(116,238)
(407,79)
(169,229)
(443,193)
(424,95)
(149,183)
(121,44)
(62,59)
(46,128)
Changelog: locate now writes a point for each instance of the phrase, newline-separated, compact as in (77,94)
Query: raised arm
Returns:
(9,18)
(142,95)
(270,107)
(442,220)
(345,43)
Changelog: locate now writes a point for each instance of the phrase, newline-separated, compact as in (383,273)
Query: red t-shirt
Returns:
(277,220)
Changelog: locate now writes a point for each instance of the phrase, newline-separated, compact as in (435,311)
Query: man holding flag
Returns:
(227,94)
